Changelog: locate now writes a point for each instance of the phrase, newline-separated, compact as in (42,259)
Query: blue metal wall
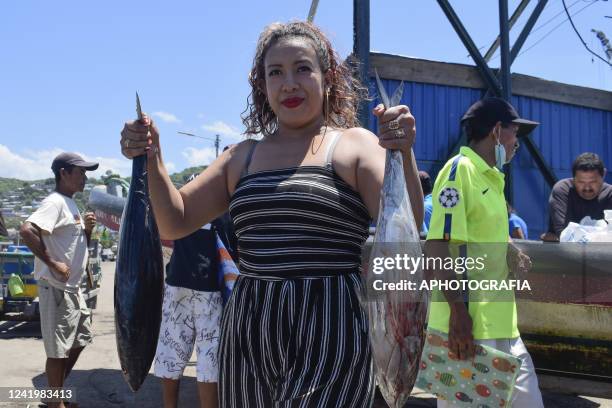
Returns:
(565,132)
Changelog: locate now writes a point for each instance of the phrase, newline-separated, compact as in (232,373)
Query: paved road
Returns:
(97,378)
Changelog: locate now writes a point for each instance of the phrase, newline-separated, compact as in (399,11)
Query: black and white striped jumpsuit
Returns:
(293,332)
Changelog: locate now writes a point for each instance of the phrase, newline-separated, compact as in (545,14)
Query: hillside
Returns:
(180,178)
(18,198)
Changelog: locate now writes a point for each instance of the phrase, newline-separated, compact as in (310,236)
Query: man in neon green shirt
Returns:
(469,213)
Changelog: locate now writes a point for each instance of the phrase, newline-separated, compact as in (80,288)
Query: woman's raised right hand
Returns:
(139,137)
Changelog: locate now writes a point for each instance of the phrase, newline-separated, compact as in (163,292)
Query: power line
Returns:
(546,23)
(579,36)
(554,17)
(217,139)
(193,135)
(553,29)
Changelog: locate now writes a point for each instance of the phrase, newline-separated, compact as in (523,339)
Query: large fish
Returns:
(139,281)
(396,317)
(3,230)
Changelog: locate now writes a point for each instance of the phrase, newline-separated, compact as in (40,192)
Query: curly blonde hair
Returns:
(345,90)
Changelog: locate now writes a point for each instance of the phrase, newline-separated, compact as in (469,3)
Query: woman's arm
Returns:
(397,131)
(177,212)
(370,152)
(370,172)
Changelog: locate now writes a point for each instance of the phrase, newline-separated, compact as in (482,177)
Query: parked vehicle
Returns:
(108,255)
(18,288)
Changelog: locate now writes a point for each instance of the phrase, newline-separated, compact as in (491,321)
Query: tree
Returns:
(105,239)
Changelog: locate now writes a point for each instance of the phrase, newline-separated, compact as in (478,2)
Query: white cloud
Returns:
(223,129)
(199,157)
(170,167)
(116,165)
(167,117)
(33,165)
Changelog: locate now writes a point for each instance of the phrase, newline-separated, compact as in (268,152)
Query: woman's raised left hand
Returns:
(396,127)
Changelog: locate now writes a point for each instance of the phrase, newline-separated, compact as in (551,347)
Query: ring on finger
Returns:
(127,143)
(393,125)
(399,133)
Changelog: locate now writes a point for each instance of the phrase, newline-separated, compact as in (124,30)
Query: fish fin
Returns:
(397,95)
(382,92)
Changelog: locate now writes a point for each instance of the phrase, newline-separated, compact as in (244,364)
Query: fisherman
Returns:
(301,199)
(469,210)
(191,314)
(58,236)
(572,199)
(427,205)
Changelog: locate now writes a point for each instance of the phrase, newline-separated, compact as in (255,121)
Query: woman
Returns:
(301,199)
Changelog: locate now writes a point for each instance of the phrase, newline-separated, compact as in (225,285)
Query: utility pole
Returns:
(361,52)
(217,144)
(506,81)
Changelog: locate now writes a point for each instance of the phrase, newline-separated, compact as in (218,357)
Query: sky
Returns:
(69,69)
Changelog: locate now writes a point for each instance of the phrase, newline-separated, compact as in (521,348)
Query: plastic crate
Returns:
(20,263)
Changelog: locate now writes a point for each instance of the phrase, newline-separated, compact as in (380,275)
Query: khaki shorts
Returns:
(65,320)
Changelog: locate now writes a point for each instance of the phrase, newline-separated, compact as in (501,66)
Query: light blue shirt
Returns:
(515,222)
(428,210)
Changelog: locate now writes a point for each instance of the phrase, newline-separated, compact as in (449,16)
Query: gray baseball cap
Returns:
(71,159)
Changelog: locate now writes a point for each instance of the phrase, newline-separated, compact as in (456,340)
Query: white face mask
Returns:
(500,153)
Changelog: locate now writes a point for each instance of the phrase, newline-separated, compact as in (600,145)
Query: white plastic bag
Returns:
(589,230)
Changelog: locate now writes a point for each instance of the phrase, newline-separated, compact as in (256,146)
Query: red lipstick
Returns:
(293,102)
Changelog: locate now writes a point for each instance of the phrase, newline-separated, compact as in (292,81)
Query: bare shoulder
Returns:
(359,134)
(235,161)
(238,152)
(357,141)
(355,147)
(360,144)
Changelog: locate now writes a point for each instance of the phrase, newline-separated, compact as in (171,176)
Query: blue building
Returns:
(573,120)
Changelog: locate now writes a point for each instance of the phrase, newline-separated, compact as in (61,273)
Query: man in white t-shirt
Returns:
(58,236)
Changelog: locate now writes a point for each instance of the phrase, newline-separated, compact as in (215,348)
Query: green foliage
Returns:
(180,178)
(28,194)
(12,223)
(105,239)
(9,186)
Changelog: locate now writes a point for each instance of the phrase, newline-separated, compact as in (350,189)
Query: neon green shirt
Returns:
(469,207)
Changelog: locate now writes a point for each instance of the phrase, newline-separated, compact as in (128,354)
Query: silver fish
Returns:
(396,317)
